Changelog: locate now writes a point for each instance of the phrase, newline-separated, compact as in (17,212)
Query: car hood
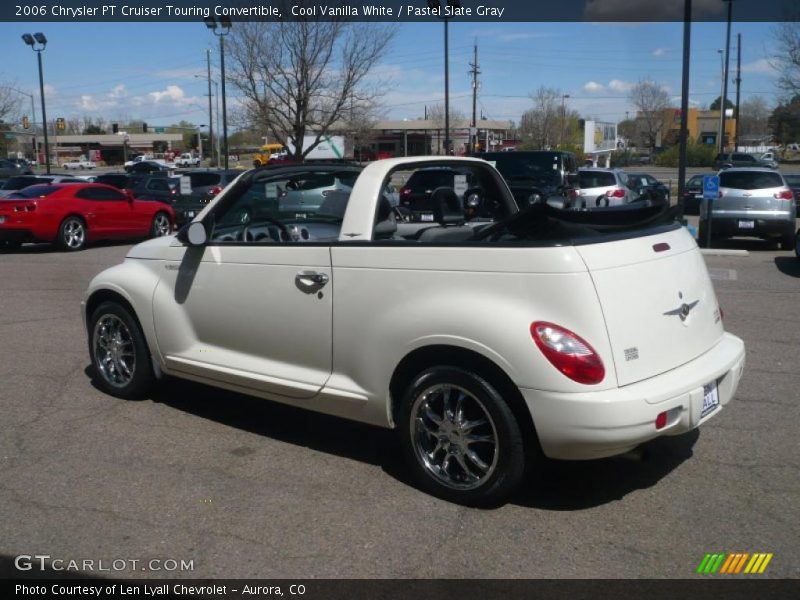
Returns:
(155,249)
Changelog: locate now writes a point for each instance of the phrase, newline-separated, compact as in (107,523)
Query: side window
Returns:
(86,194)
(106,194)
(158,185)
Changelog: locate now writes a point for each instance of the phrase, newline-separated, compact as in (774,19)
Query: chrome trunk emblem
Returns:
(683,310)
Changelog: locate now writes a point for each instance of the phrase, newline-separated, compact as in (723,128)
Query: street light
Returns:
(32,40)
(33,116)
(437,5)
(224,29)
(721,136)
(563,117)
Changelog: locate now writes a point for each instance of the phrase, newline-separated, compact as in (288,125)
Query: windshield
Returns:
(536,165)
(593,179)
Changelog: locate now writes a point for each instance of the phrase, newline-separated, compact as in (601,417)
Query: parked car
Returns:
(79,163)
(71,215)
(148,166)
(155,187)
(793,181)
(536,176)
(545,331)
(15,184)
(599,187)
(416,192)
(728,160)
(187,160)
(208,183)
(693,194)
(753,203)
(11,168)
(643,184)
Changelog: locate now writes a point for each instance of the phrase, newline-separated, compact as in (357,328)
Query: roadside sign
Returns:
(186,185)
(158,129)
(710,187)
(460,185)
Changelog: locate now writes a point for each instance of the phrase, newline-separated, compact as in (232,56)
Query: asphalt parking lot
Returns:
(246,488)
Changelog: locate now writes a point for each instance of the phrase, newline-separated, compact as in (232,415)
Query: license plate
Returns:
(698,196)
(190,214)
(747,224)
(710,399)
(428,218)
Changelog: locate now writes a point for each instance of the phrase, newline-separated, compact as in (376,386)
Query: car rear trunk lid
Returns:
(657,299)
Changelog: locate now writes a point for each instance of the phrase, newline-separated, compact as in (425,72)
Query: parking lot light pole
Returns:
(32,40)
(224,29)
(563,117)
(437,5)
(33,117)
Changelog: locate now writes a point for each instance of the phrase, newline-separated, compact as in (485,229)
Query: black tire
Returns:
(72,234)
(132,353)
(161,225)
(787,242)
(503,458)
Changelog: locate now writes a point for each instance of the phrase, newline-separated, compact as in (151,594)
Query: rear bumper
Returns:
(762,227)
(16,235)
(599,424)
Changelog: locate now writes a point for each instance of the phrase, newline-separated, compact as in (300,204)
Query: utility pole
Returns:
(210,116)
(738,87)
(724,99)
(684,135)
(475,70)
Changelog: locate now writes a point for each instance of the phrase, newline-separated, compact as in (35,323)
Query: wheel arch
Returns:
(425,357)
(101,295)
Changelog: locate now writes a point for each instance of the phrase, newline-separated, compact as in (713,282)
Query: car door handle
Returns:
(311,278)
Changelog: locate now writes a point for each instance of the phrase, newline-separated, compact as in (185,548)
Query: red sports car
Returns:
(72,214)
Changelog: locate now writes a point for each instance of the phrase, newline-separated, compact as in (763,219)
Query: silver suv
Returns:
(602,187)
(752,203)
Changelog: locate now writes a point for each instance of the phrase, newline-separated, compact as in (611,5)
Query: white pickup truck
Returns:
(486,338)
(80,163)
(187,160)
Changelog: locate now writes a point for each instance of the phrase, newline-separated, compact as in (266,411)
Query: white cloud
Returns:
(760,66)
(659,52)
(618,85)
(513,37)
(88,102)
(172,93)
(593,87)
(118,91)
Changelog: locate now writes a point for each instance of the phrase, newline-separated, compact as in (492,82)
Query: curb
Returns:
(722,252)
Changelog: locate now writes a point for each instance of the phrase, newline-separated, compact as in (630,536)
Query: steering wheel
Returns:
(247,236)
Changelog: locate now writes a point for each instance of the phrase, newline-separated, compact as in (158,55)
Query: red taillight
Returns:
(215,190)
(568,352)
(25,207)
(784,195)
(661,420)
(616,193)
(404,191)
(573,194)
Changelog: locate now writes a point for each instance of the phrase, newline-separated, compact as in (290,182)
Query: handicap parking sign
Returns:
(711,187)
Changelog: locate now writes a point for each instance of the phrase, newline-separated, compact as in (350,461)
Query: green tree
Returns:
(716,103)
(785,121)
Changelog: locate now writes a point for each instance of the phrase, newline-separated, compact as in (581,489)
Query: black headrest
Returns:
(335,204)
(447,207)
(385,223)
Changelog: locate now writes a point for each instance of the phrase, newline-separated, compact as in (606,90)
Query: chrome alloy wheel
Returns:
(161,225)
(114,352)
(454,436)
(74,233)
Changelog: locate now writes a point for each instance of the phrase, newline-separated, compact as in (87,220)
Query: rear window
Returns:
(793,180)
(202,179)
(118,181)
(17,183)
(431,179)
(35,191)
(749,180)
(592,179)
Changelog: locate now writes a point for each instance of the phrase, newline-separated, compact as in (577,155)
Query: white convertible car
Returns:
(486,338)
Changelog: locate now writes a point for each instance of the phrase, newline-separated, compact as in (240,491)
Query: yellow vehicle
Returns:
(268,151)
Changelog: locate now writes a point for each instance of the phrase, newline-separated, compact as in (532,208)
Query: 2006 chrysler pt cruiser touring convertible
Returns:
(483,341)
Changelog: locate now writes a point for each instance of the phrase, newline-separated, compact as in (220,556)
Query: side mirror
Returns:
(129,194)
(193,234)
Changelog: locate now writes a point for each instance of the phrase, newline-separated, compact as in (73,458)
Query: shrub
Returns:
(697,155)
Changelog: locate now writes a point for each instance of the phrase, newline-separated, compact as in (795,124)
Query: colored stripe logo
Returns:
(734,563)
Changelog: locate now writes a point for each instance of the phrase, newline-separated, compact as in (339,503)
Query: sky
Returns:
(157,71)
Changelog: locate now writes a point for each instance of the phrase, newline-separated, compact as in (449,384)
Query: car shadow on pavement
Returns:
(749,244)
(788,265)
(576,485)
(553,485)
